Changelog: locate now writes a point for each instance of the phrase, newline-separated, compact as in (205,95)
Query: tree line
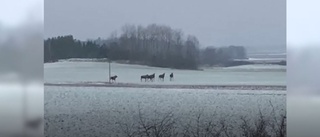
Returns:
(153,45)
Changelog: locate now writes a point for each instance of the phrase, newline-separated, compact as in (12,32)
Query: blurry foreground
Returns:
(21,68)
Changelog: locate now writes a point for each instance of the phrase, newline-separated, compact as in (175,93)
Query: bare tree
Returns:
(203,124)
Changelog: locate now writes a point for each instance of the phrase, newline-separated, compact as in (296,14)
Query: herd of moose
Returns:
(152,76)
(146,77)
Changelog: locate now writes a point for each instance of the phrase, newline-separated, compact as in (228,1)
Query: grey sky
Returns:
(24,11)
(303,23)
(214,22)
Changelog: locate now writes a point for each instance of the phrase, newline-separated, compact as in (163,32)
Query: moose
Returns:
(171,76)
(161,77)
(145,77)
(113,78)
(151,77)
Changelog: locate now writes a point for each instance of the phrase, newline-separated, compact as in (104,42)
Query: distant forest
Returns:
(153,45)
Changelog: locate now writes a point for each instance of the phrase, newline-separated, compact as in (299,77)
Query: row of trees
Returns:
(154,45)
(222,55)
(64,47)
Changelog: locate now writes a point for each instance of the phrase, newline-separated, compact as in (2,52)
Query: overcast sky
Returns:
(214,22)
(303,23)
(16,12)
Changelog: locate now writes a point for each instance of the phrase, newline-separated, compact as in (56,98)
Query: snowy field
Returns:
(94,111)
(103,111)
(68,71)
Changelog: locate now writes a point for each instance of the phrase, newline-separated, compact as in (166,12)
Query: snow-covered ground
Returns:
(97,111)
(80,111)
(89,71)
(68,100)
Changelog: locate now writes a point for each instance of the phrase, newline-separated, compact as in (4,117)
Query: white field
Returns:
(96,111)
(80,111)
(68,100)
(66,71)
